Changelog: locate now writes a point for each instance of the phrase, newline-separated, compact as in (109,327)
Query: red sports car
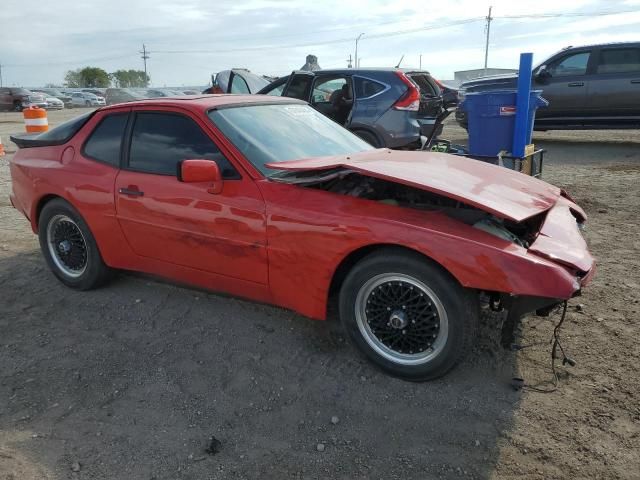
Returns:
(265,198)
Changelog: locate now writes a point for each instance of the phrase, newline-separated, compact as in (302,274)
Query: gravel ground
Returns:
(133,380)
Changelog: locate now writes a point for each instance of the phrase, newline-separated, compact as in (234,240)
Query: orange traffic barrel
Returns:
(35,120)
(1,148)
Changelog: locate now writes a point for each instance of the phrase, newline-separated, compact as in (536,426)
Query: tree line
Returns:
(97,77)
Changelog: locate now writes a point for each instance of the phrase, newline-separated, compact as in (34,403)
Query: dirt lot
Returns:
(132,380)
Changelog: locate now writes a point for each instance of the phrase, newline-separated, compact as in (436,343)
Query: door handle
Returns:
(134,192)
(636,80)
(576,84)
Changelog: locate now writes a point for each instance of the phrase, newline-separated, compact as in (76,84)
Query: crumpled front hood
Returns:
(496,190)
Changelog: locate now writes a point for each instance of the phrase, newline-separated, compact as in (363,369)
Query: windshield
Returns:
(254,82)
(278,133)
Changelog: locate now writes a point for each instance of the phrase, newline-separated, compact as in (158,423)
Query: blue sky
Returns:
(191,39)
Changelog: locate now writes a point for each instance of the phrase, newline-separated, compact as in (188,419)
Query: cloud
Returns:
(274,36)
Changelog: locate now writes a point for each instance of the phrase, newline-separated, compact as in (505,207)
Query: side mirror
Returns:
(543,73)
(198,171)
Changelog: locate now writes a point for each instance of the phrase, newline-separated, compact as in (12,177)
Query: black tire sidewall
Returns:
(96,271)
(455,299)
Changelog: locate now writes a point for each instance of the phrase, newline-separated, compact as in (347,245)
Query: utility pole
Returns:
(145,56)
(356,56)
(0,75)
(420,62)
(349,61)
(486,46)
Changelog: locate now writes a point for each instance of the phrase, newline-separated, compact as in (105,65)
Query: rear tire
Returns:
(407,315)
(368,137)
(69,247)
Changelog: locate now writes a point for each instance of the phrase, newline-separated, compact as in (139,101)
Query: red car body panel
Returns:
(282,243)
(502,192)
(560,243)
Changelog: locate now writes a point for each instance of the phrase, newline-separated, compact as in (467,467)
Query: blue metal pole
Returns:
(520,132)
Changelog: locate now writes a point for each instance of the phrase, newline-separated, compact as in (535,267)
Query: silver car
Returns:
(86,99)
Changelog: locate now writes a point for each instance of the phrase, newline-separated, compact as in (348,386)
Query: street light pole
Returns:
(356,55)
(486,46)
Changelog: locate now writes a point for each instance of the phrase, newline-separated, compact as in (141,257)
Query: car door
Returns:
(182,223)
(299,86)
(325,89)
(614,88)
(564,84)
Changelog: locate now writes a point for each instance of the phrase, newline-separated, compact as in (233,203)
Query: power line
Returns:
(573,14)
(329,42)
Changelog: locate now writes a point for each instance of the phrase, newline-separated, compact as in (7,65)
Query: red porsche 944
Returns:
(267,199)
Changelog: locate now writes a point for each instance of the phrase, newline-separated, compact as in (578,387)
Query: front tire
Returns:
(69,247)
(407,315)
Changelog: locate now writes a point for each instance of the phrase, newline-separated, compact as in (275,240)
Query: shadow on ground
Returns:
(132,380)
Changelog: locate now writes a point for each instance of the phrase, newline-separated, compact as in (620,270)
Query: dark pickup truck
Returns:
(590,87)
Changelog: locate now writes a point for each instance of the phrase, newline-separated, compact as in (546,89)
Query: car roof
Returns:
(611,44)
(208,102)
(364,70)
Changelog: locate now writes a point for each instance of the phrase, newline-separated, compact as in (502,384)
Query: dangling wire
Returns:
(556,344)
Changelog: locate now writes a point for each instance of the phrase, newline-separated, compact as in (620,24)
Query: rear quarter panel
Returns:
(39,173)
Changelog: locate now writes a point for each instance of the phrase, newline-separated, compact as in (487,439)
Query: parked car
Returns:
(268,199)
(237,80)
(159,93)
(121,95)
(17,99)
(54,103)
(449,94)
(391,108)
(595,86)
(86,99)
(98,92)
(54,92)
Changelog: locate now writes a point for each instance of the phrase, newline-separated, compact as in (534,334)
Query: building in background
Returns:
(464,75)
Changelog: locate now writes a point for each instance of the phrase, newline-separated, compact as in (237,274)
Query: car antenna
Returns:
(401,58)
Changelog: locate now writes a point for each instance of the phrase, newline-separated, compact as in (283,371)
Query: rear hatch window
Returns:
(430,94)
(56,136)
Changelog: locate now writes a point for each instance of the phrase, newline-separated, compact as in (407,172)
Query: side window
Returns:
(299,86)
(277,90)
(238,85)
(366,88)
(575,64)
(277,87)
(619,60)
(105,141)
(324,88)
(160,140)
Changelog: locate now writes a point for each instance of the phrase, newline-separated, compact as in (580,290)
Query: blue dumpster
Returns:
(491,119)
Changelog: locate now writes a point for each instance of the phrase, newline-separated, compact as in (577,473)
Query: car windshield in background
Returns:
(278,133)
(254,82)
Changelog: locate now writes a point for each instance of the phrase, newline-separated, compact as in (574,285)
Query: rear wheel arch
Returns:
(40,205)
(369,136)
